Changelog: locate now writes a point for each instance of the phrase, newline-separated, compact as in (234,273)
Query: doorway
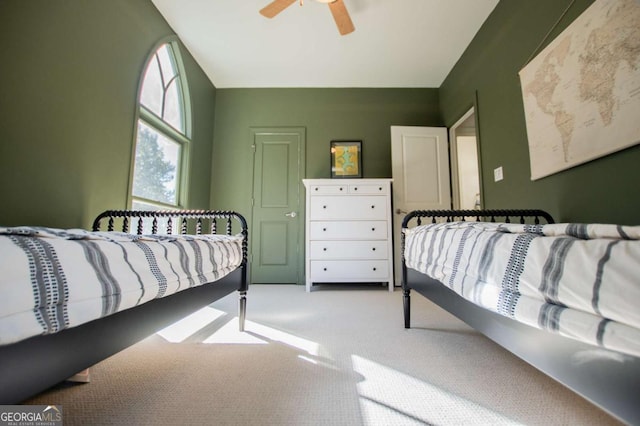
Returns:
(420,168)
(465,163)
(277,205)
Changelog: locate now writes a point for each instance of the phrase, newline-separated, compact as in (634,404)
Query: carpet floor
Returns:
(336,356)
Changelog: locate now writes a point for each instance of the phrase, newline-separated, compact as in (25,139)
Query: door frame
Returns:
(457,130)
(302,164)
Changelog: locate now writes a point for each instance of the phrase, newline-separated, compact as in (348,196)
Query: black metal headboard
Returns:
(507,216)
(182,218)
(185,221)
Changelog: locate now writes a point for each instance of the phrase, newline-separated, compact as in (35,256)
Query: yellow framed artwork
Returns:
(346,159)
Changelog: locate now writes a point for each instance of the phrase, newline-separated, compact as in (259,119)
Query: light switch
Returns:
(497,174)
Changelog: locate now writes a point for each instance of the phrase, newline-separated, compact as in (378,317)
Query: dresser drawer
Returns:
(328,189)
(353,189)
(349,270)
(365,208)
(368,189)
(348,250)
(348,230)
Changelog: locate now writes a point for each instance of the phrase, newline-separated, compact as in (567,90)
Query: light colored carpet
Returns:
(336,356)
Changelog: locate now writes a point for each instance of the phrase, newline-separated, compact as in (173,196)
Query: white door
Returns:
(420,167)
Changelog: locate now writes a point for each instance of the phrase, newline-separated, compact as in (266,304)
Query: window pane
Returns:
(155,175)
(166,63)
(152,90)
(141,205)
(147,222)
(172,107)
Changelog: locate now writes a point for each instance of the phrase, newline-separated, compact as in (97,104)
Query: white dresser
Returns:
(348,231)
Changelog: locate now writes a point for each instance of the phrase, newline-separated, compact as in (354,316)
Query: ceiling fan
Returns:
(337,7)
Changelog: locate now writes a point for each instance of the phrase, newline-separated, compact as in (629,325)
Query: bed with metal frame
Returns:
(608,379)
(32,365)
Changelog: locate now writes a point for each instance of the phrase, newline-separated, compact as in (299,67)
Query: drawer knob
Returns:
(324,269)
(324,229)
(324,207)
(374,269)
(355,189)
(373,207)
(373,229)
(324,249)
(341,188)
(380,189)
(374,249)
(316,188)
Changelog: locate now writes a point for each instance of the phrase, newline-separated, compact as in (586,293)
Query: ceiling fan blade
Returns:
(341,16)
(275,7)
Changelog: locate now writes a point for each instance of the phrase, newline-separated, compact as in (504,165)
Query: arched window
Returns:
(163,133)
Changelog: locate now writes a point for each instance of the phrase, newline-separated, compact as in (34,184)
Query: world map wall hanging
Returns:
(581,93)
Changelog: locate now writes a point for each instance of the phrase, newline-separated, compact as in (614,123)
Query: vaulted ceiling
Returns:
(396,43)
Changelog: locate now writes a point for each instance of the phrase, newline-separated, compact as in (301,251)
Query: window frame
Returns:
(145,115)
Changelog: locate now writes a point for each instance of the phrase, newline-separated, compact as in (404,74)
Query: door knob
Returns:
(291,214)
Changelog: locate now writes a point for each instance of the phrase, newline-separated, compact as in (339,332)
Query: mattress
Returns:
(578,280)
(53,279)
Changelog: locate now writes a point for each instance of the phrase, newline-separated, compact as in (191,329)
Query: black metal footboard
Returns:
(196,222)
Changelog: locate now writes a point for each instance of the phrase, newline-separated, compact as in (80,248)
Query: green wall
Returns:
(604,190)
(327,114)
(68,86)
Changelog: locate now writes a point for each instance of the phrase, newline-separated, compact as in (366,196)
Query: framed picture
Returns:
(346,159)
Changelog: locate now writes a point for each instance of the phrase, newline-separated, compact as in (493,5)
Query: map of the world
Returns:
(582,92)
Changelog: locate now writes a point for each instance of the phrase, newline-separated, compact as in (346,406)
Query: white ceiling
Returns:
(397,43)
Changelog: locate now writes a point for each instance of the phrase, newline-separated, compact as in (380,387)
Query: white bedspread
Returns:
(581,281)
(52,279)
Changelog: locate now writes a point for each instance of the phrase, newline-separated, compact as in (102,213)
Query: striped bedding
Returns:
(581,281)
(52,279)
